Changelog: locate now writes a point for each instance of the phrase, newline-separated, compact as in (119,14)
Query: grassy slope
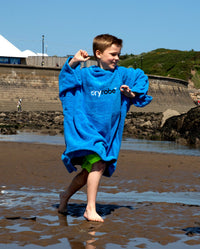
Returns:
(165,62)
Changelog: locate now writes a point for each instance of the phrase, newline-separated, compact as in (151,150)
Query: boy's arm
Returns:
(80,56)
(127,91)
(136,85)
(70,76)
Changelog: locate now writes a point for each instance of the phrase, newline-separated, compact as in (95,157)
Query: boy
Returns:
(95,101)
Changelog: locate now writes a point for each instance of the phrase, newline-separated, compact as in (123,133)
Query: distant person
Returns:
(19,105)
(95,101)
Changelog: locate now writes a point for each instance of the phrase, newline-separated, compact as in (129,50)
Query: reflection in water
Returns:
(90,228)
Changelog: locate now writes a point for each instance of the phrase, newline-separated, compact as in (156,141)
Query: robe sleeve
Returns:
(139,84)
(69,78)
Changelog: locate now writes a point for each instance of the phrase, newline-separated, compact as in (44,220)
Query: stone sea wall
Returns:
(38,89)
(36,86)
(167,93)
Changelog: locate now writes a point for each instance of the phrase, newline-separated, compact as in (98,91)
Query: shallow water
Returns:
(127,143)
(53,231)
(38,196)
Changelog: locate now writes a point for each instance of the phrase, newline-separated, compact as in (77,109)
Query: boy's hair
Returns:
(104,41)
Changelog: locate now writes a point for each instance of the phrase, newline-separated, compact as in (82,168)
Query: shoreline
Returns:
(128,143)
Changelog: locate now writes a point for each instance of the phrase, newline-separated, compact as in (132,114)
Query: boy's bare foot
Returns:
(62,209)
(92,216)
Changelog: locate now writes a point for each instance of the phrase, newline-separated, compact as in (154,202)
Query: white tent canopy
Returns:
(27,53)
(7,49)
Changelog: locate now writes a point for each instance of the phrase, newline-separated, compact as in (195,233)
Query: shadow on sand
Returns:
(77,210)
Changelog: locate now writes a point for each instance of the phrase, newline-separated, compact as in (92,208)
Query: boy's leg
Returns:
(93,181)
(77,183)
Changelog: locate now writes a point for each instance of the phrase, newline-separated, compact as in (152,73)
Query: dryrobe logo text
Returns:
(103,92)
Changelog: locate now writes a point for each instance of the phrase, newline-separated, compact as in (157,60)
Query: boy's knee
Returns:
(99,166)
(84,173)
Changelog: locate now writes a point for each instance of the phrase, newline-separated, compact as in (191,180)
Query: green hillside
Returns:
(164,62)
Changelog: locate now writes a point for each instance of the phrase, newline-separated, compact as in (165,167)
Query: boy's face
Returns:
(109,58)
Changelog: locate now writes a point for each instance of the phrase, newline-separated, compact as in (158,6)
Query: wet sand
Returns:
(32,175)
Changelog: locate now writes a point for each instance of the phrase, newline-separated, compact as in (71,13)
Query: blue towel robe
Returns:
(94,110)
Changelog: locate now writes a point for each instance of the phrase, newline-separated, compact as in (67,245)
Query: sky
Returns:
(67,26)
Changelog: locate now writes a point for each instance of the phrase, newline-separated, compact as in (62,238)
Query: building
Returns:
(9,54)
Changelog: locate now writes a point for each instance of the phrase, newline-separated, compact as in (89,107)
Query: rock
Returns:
(184,127)
(181,140)
(143,125)
(59,119)
(2,114)
(168,114)
(147,124)
(8,131)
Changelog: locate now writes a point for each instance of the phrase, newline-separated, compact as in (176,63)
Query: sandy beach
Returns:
(147,203)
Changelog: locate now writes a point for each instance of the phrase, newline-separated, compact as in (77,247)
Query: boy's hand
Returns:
(127,91)
(80,56)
